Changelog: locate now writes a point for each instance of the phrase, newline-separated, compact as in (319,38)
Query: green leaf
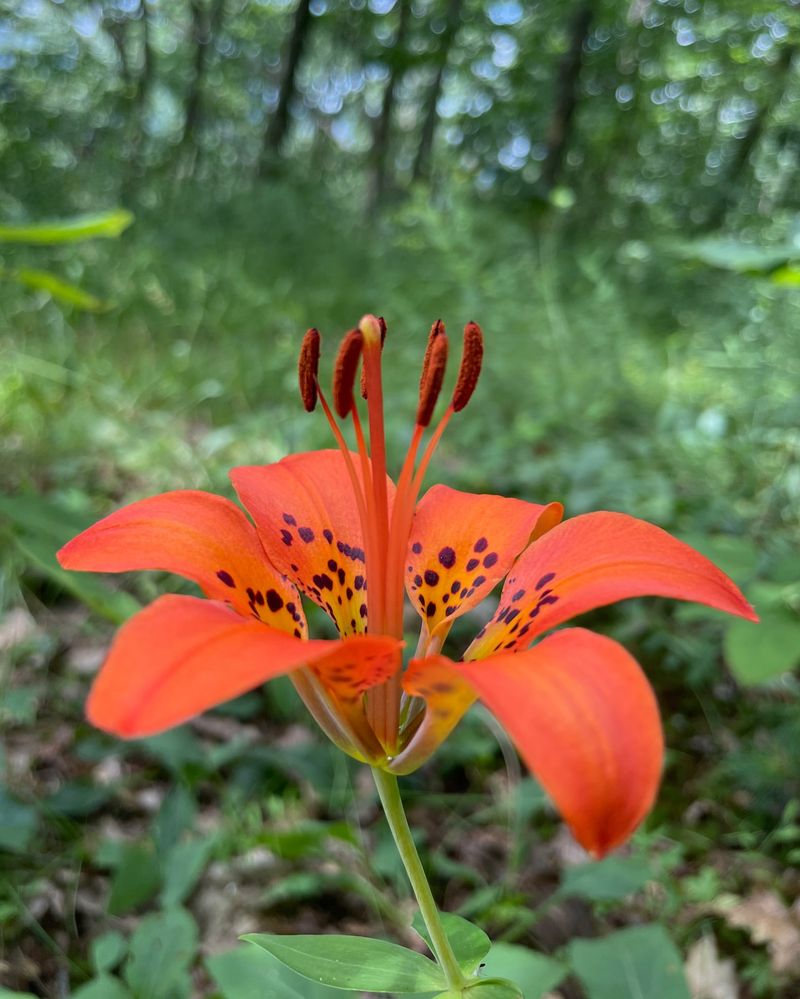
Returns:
(759,651)
(353,963)
(606,880)
(78,799)
(735,255)
(102,987)
(535,973)
(108,225)
(161,950)
(637,963)
(470,944)
(107,951)
(176,815)
(57,288)
(244,972)
(7,994)
(18,823)
(182,867)
(136,878)
(495,988)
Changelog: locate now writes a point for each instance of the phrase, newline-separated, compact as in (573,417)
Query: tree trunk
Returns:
(383,127)
(205,24)
(422,161)
(566,97)
(278,125)
(729,182)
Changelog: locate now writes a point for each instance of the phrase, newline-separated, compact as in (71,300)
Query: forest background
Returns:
(611,190)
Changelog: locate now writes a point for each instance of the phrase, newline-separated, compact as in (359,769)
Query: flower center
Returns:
(386,532)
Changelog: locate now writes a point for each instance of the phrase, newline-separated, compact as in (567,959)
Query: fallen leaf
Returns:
(710,976)
(769,921)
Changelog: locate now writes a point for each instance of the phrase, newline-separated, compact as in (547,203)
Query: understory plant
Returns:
(331,527)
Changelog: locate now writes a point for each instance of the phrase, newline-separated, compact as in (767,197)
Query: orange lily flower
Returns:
(332,527)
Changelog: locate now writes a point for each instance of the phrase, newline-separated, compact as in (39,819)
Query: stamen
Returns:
(433,368)
(344,374)
(469,372)
(307,368)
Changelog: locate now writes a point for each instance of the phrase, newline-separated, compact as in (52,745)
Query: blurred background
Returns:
(611,190)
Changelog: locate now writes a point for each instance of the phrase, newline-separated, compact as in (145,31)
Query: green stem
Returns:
(389,793)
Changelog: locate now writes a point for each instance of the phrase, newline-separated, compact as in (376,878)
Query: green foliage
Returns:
(470,944)
(629,964)
(535,973)
(353,963)
(607,880)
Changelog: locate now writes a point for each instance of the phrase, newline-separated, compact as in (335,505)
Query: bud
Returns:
(344,374)
(307,368)
(470,369)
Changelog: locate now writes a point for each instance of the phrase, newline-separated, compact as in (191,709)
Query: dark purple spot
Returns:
(362,610)
(456,586)
(352,623)
(518,595)
(358,582)
(293,567)
(524,630)
(481,545)
(490,560)
(431,577)
(449,611)
(289,519)
(447,557)
(291,607)
(511,615)
(548,600)
(306,534)
(446,598)
(286,537)
(479,580)
(358,554)
(259,598)
(340,575)
(297,633)
(421,599)
(545,580)
(333,565)
(226,578)
(503,614)
(534,612)
(328,535)
(349,593)
(430,610)
(473,564)
(417,580)
(274,600)
(416,548)
(251,594)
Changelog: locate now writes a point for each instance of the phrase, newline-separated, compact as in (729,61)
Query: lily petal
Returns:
(462,544)
(585,720)
(597,559)
(203,537)
(306,515)
(182,655)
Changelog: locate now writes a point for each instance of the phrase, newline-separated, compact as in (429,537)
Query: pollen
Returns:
(307,369)
(470,369)
(344,374)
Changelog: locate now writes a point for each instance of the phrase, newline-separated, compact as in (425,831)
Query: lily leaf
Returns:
(355,964)
(107,225)
(629,964)
(536,973)
(470,944)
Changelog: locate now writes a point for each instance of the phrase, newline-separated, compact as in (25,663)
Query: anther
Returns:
(307,368)
(344,374)
(436,330)
(373,330)
(433,368)
(470,369)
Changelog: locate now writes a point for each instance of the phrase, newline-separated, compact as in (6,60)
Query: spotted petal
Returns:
(585,720)
(461,546)
(306,515)
(182,655)
(203,537)
(597,559)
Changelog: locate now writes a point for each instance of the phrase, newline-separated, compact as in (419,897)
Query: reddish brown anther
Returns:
(344,374)
(433,368)
(469,372)
(436,330)
(307,368)
(382,324)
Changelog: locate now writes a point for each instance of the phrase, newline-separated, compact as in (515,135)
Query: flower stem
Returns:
(389,793)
